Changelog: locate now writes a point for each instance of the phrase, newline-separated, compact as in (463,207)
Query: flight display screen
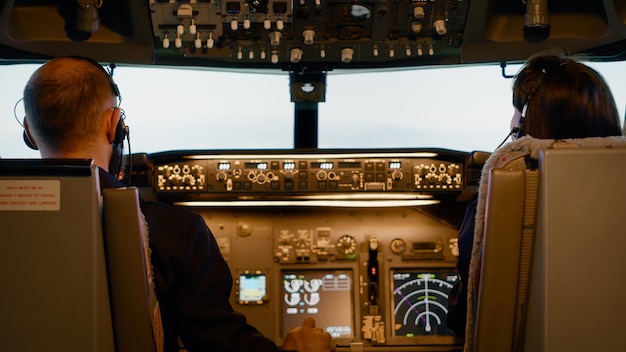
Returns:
(252,288)
(325,295)
(420,301)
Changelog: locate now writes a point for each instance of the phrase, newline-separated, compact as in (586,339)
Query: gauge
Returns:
(346,244)
(398,246)
(421,302)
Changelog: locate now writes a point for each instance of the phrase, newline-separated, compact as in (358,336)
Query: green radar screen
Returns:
(421,302)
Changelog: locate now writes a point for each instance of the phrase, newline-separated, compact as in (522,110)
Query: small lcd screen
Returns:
(223,166)
(349,164)
(254,165)
(325,165)
(325,295)
(252,288)
(420,301)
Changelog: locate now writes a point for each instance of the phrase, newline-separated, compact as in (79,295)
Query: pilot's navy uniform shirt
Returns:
(193,282)
(457,297)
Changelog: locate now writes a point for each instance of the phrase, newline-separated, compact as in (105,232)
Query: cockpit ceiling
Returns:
(312,34)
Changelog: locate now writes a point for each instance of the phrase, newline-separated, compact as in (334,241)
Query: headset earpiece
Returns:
(121,131)
(30,143)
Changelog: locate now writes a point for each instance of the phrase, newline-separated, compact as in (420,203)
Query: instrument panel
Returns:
(276,32)
(286,175)
(364,241)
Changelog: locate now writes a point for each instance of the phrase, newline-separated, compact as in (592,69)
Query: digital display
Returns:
(326,165)
(289,165)
(223,166)
(325,295)
(420,301)
(252,288)
(349,164)
(394,165)
(258,165)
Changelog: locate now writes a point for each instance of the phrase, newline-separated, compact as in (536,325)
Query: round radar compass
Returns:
(421,302)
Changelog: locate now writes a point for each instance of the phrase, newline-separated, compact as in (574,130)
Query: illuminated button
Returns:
(274,165)
(369,167)
(369,177)
(302,175)
(274,185)
(380,177)
(288,185)
(303,185)
(380,166)
(302,165)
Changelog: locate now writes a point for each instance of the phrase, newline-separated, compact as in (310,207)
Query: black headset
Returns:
(121,131)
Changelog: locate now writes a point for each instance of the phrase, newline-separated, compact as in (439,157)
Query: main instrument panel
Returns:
(364,241)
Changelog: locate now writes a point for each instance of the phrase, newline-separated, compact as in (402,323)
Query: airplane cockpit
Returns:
(359,232)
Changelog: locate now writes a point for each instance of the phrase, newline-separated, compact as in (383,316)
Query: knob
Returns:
(178,42)
(355,180)
(295,55)
(308,36)
(440,27)
(221,176)
(210,42)
(274,38)
(346,55)
(418,12)
(396,175)
(416,27)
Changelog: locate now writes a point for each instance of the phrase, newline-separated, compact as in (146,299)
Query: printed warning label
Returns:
(30,195)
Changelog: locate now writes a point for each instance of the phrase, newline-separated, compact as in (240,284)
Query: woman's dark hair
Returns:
(562,98)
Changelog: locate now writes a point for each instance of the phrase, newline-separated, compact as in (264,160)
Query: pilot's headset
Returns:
(529,87)
(121,131)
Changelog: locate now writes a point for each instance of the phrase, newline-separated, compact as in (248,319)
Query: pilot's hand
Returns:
(307,338)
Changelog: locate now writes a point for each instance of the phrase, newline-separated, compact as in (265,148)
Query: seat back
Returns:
(54,295)
(576,300)
(128,265)
(551,254)
(66,286)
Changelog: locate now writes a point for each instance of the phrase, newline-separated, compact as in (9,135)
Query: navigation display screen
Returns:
(420,301)
(325,295)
